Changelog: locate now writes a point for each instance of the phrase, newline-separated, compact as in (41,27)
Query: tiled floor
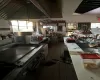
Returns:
(58,71)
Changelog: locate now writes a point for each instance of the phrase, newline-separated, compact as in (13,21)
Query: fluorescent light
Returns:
(76,14)
(44,26)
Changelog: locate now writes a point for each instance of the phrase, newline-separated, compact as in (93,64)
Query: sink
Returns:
(83,45)
(91,50)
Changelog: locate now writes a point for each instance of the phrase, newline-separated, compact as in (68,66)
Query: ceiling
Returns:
(87,5)
(54,9)
(94,11)
(68,12)
(27,12)
(32,9)
(69,7)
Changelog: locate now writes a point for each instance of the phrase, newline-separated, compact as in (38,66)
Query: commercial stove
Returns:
(10,59)
(12,55)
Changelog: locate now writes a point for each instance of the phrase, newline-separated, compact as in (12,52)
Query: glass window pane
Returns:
(95,25)
(22,28)
(29,24)
(15,28)
(14,23)
(22,23)
(30,28)
(98,25)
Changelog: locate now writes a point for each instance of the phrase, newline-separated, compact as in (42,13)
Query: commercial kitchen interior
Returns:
(49,39)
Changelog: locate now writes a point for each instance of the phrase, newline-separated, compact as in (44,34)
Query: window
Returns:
(95,25)
(51,27)
(15,28)
(22,23)
(22,26)
(14,23)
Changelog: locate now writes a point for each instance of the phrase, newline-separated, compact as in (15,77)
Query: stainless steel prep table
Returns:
(11,55)
(81,72)
(24,62)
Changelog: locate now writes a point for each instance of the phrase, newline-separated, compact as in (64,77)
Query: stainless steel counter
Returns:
(23,58)
(81,72)
(12,55)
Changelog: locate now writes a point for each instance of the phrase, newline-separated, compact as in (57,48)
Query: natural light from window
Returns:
(22,26)
(51,27)
(95,25)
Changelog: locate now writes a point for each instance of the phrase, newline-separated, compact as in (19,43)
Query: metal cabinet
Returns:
(33,65)
(45,50)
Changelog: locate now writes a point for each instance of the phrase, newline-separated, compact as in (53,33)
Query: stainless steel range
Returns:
(15,60)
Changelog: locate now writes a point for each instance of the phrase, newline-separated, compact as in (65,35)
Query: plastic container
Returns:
(91,60)
(90,63)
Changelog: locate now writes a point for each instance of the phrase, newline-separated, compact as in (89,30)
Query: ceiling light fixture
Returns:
(76,14)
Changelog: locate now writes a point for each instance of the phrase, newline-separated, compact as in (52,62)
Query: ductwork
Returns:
(23,9)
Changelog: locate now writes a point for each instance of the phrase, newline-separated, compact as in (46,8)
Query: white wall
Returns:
(81,18)
(4,24)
